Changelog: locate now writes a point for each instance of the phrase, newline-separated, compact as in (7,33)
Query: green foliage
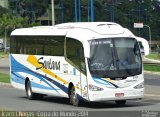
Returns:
(8,23)
(154,56)
(152,68)
(5,78)
(124,12)
(3,11)
(4,55)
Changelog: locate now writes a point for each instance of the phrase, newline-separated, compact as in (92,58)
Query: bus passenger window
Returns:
(54,46)
(75,53)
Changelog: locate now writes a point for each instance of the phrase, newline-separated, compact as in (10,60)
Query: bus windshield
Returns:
(114,58)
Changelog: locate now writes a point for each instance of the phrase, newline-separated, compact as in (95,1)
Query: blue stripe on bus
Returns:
(104,82)
(21,80)
(36,85)
(99,82)
(17,67)
(21,68)
(17,78)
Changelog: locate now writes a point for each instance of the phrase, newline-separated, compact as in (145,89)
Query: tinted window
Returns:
(116,57)
(35,45)
(75,53)
(55,46)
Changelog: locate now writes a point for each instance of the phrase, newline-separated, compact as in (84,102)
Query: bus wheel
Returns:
(29,93)
(120,102)
(73,97)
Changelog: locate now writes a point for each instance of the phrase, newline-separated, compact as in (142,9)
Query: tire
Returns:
(120,102)
(29,93)
(74,98)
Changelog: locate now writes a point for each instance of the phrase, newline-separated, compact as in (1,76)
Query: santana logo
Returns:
(52,65)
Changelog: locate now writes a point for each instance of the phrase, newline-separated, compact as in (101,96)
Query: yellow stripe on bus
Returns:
(109,80)
(33,60)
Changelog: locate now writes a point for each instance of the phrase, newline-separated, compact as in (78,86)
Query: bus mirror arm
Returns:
(87,50)
(87,54)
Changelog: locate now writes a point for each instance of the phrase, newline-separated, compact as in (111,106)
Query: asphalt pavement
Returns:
(15,100)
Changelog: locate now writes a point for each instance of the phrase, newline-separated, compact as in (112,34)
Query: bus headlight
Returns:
(139,86)
(95,88)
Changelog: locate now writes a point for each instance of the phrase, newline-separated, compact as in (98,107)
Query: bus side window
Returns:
(54,46)
(34,45)
(19,46)
(75,53)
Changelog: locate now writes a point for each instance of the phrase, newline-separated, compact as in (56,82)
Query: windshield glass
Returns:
(115,58)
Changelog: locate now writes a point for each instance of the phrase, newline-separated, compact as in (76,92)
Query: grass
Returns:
(4,78)
(154,56)
(4,55)
(153,68)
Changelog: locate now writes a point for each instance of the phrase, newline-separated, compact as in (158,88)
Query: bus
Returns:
(89,61)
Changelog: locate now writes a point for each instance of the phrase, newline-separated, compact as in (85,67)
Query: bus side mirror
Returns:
(144,43)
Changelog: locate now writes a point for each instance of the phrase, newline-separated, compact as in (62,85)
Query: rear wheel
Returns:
(73,97)
(120,102)
(29,93)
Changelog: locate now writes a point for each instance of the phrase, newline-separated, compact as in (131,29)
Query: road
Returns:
(13,99)
(152,83)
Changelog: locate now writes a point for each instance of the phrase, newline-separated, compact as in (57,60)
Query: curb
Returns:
(151,95)
(151,60)
(151,72)
(8,85)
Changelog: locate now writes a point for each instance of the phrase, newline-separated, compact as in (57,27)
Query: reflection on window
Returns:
(115,57)
(75,53)
(36,45)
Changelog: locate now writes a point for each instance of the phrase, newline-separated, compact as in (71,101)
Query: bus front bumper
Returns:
(116,95)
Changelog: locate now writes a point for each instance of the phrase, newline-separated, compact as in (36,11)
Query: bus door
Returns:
(75,56)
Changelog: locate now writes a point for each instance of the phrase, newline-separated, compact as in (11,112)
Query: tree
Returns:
(124,12)
(9,23)
(3,11)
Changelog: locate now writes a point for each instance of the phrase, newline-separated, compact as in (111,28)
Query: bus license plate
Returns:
(119,94)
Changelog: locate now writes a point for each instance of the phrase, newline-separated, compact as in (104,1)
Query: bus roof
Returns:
(100,28)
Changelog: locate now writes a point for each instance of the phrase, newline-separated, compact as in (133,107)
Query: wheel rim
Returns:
(74,98)
(29,90)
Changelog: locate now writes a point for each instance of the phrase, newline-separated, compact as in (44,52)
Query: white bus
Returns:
(96,61)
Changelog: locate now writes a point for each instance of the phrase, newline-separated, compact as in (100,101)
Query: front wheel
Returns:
(120,102)
(74,98)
